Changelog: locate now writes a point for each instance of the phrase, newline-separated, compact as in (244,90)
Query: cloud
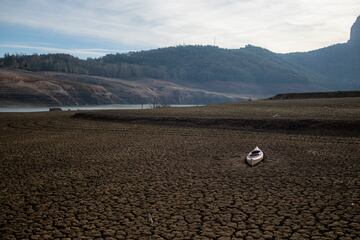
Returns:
(279,25)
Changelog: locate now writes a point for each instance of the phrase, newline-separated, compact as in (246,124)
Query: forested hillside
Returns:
(182,63)
(250,71)
(68,64)
(205,67)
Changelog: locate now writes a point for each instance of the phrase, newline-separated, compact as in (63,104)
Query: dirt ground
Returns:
(65,177)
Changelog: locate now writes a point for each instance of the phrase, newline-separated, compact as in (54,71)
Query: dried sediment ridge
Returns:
(332,116)
(309,126)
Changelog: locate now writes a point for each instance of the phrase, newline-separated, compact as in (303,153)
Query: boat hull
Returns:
(253,161)
(255,157)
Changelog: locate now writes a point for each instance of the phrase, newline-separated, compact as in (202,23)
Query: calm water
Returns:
(76,108)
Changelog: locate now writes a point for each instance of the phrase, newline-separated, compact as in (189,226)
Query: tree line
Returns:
(181,63)
(68,64)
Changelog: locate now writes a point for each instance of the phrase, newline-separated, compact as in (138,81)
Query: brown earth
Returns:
(65,177)
(298,109)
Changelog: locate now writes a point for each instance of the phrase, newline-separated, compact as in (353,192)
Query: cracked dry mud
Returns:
(62,177)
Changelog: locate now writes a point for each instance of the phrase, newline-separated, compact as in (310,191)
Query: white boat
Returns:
(255,156)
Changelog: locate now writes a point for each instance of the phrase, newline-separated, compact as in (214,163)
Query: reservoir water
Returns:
(95,107)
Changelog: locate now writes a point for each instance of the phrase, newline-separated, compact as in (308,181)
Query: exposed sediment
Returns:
(302,126)
(64,177)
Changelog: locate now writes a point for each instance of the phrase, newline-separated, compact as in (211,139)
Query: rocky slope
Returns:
(18,87)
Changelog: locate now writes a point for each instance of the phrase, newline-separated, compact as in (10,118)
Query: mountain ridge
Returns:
(249,71)
(355,32)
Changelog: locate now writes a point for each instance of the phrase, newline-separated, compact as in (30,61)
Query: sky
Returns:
(93,28)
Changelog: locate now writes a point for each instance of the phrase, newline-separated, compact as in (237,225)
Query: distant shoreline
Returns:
(314,95)
(27,108)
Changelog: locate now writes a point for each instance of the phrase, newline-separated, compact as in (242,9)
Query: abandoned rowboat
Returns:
(255,156)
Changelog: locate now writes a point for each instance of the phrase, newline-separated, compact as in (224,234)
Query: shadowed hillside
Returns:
(315,95)
(338,66)
(245,72)
(250,70)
